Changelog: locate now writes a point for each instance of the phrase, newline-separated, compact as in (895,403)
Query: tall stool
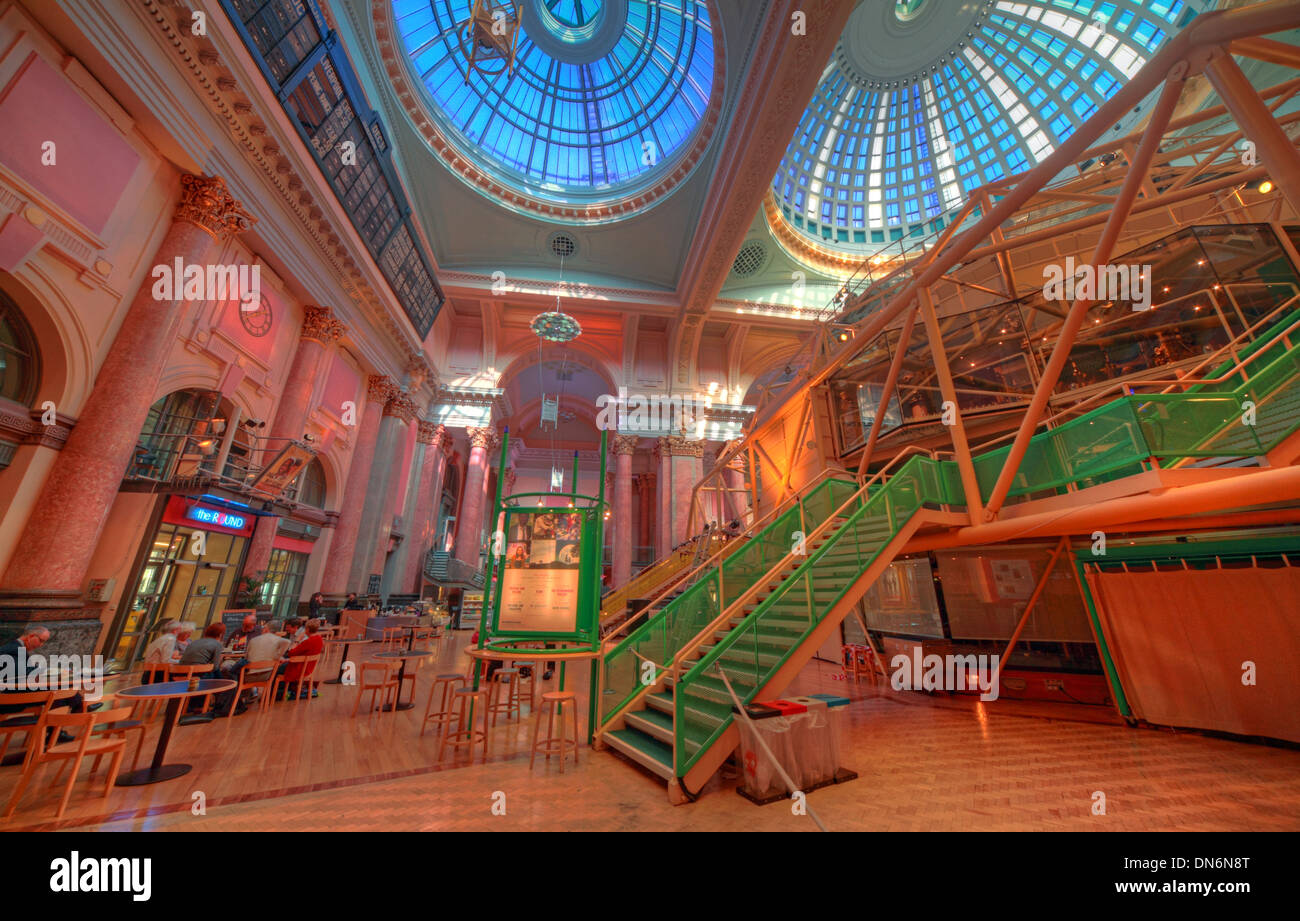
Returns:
(467,700)
(553,703)
(506,679)
(445,682)
(531,678)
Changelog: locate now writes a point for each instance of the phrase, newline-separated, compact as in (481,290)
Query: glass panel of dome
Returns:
(603,95)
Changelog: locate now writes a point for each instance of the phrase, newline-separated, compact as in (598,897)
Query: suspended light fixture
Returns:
(489,39)
(556,325)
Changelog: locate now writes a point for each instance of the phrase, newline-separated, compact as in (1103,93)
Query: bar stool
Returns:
(531,678)
(506,679)
(466,699)
(443,715)
(553,702)
(849,657)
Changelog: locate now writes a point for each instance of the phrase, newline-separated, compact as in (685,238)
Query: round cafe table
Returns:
(345,643)
(173,692)
(401,673)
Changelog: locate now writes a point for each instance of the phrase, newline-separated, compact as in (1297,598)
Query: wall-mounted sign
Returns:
(280,473)
(217,517)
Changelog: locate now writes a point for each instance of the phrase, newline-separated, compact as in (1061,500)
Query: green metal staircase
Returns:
(764,611)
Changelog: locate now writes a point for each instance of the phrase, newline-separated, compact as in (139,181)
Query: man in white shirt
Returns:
(265,647)
(164,649)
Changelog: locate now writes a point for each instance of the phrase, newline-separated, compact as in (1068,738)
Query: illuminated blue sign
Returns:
(212,516)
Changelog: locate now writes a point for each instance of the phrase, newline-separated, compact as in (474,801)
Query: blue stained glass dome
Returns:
(603,97)
(926,100)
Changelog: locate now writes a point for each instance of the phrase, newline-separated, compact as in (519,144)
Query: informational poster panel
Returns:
(541,573)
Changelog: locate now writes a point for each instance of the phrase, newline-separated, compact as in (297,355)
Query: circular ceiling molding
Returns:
(750,260)
(610,105)
(926,101)
(562,245)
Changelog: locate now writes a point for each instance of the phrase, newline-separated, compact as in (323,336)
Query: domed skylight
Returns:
(603,98)
(926,100)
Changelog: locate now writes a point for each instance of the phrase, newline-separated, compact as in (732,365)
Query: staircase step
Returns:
(653,723)
(661,701)
(646,751)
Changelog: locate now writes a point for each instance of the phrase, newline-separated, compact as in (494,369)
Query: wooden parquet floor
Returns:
(924,764)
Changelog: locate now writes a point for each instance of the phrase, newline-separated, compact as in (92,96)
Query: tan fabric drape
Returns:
(1180,640)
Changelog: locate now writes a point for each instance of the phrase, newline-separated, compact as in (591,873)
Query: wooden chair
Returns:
(376,677)
(184,673)
(35,705)
(84,743)
(152,673)
(265,668)
(392,638)
(306,677)
(133,723)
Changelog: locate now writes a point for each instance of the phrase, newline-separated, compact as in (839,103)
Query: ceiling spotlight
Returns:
(254,423)
(1265,187)
(308,437)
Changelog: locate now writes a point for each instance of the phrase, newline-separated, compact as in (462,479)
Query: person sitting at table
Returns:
(163,650)
(247,630)
(265,646)
(206,650)
(17,652)
(310,646)
(294,631)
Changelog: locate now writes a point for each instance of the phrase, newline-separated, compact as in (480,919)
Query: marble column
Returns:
(53,556)
(338,564)
(422,529)
(663,520)
(319,330)
(473,501)
(377,516)
(687,468)
(623,447)
(645,484)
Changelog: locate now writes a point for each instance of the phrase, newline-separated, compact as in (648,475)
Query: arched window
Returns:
(20,366)
(311,485)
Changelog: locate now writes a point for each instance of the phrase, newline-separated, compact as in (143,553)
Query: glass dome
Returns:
(602,100)
(925,101)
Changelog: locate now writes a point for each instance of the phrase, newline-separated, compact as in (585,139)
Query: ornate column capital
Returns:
(400,405)
(320,325)
(431,433)
(417,371)
(683,447)
(623,444)
(207,204)
(380,388)
(485,437)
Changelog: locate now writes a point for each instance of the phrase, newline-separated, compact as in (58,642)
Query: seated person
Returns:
(247,630)
(294,631)
(312,645)
(206,650)
(165,649)
(16,654)
(265,646)
(352,604)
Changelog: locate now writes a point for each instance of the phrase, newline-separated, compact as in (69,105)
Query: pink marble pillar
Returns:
(645,484)
(473,501)
(623,447)
(664,521)
(687,468)
(404,409)
(422,530)
(63,529)
(343,545)
(319,330)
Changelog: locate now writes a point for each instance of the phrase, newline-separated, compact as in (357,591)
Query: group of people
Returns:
(255,641)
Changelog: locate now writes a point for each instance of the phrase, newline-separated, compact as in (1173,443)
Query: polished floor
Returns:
(924,764)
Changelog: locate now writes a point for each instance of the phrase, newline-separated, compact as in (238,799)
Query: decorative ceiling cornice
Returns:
(413,99)
(219,87)
(802,248)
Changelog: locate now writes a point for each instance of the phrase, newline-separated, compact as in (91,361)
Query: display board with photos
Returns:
(547,589)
